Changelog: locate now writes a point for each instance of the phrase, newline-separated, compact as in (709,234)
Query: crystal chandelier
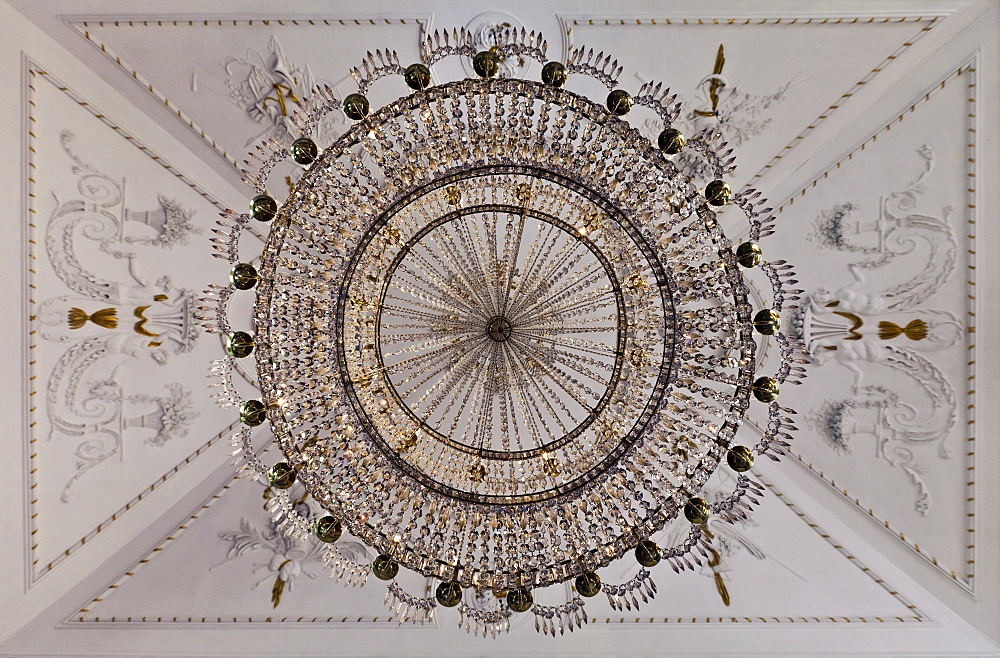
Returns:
(500,337)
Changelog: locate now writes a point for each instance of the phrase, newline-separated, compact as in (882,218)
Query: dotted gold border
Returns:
(916,614)
(569,22)
(84,25)
(85,614)
(32,73)
(964,576)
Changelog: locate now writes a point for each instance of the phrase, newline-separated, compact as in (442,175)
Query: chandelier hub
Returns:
(499,329)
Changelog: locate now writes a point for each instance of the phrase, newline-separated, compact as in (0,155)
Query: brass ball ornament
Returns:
(486,64)
(328,529)
(263,208)
(448,594)
(304,151)
(353,322)
(239,344)
(671,141)
(417,77)
(588,584)
(555,74)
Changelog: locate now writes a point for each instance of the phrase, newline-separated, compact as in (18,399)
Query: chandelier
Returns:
(501,337)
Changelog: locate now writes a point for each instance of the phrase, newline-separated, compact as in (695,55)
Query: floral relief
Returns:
(109,326)
(285,559)
(878,332)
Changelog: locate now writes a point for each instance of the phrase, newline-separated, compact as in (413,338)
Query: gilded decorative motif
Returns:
(108,324)
(866,331)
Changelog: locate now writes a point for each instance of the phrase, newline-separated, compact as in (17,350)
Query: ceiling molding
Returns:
(963,576)
(33,73)
(927,22)
(84,23)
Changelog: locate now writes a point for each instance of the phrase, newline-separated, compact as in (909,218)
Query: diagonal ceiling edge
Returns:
(36,72)
(924,23)
(83,24)
(961,575)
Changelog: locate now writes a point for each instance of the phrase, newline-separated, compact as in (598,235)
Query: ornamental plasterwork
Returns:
(111,327)
(867,328)
(287,559)
(719,106)
(270,88)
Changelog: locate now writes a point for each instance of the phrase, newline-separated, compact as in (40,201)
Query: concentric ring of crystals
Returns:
(523,413)
(512,442)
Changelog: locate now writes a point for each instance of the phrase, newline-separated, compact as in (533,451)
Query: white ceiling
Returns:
(871,126)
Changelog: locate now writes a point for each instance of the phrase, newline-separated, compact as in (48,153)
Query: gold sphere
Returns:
(239,344)
(417,77)
(749,254)
(718,193)
(253,413)
(486,64)
(520,600)
(281,475)
(304,151)
(765,389)
(384,567)
(697,511)
(620,102)
(328,529)
(263,208)
(739,458)
(449,594)
(671,141)
(243,276)
(554,74)
(647,553)
(588,584)
(356,107)
(766,322)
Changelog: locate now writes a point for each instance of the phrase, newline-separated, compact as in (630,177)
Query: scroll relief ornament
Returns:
(871,332)
(111,327)
(287,559)
(720,107)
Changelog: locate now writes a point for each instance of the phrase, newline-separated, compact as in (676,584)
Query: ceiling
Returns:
(869,125)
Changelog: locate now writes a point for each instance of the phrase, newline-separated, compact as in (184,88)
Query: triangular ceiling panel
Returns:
(888,316)
(764,81)
(224,564)
(228,563)
(235,82)
(112,313)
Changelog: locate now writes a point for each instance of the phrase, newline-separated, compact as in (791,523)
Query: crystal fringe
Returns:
(268,155)
(662,102)
(402,603)
(376,66)
(739,503)
(227,246)
(625,594)
(778,434)
(600,67)
(512,41)
(438,45)
(212,311)
(287,520)
(345,570)
(244,448)
(568,616)
(484,622)
(222,372)
(683,556)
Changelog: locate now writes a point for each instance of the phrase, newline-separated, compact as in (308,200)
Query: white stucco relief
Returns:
(111,326)
(867,328)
